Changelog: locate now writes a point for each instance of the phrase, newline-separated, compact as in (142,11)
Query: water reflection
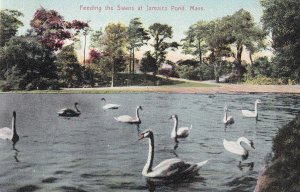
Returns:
(16,151)
(154,184)
(246,166)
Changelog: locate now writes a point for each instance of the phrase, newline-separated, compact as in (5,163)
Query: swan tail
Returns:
(201,164)
(116,118)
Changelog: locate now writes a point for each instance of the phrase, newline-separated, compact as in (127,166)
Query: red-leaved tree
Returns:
(52,29)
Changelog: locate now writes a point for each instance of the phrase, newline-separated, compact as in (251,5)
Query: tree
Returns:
(161,33)
(246,33)
(27,64)
(70,71)
(218,42)
(96,39)
(148,63)
(194,42)
(9,24)
(114,47)
(51,29)
(137,37)
(282,20)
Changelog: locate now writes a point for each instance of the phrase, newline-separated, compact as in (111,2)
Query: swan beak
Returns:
(141,137)
(252,145)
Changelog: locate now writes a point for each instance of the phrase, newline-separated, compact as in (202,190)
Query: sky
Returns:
(180,20)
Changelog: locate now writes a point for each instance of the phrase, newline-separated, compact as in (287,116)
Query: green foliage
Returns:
(115,42)
(188,70)
(9,24)
(263,80)
(137,37)
(282,19)
(260,67)
(148,63)
(70,71)
(25,61)
(194,42)
(161,34)
(283,174)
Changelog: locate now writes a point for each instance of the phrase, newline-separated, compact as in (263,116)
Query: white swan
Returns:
(109,105)
(170,168)
(10,133)
(236,147)
(65,112)
(254,114)
(227,120)
(129,119)
(181,132)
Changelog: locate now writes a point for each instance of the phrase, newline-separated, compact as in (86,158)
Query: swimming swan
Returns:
(109,105)
(236,147)
(129,119)
(65,112)
(170,168)
(227,120)
(10,133)
(181,132)
(253,114)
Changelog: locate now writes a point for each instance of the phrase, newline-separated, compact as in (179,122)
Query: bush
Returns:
(283,174)
(265,81)
(168,72)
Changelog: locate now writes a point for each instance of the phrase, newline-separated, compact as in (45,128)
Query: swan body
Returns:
(170,168)
(129,119)
(252,114)
(66,112)
(181,132)
(10,133)
(227,120)
(109,105)
(236,147)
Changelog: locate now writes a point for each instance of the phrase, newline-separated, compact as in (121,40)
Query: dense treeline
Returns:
(46,56)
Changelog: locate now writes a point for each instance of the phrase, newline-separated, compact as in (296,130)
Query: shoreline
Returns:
(217,89)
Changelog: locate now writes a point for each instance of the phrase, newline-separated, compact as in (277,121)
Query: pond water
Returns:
(93,152)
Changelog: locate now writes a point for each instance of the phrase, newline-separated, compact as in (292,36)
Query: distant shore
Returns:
(222,88)
(210,89)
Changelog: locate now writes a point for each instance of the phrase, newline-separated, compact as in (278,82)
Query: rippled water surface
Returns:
(95,153)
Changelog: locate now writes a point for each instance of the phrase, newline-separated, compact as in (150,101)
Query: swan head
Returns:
(103,99)
(258,101)
(252,144)
(146,134)
(174,116)
(76,103)
(247,141)
(139,107)
(225,108)
(14,114)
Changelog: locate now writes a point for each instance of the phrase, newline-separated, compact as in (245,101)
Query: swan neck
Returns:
(174,131)
(76,108)
(149,163)
(225,115)
(13,125)
(137,114)
(242,139)
(255,108)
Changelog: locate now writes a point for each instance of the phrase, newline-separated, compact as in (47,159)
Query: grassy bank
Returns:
(283,174)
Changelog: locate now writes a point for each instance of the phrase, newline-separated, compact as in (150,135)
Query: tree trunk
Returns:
(250,56)
(130,61)
(239,59)
(112,74)
(133,61)
(200,53)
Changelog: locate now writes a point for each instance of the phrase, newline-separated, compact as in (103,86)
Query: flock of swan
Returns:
(167,169)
